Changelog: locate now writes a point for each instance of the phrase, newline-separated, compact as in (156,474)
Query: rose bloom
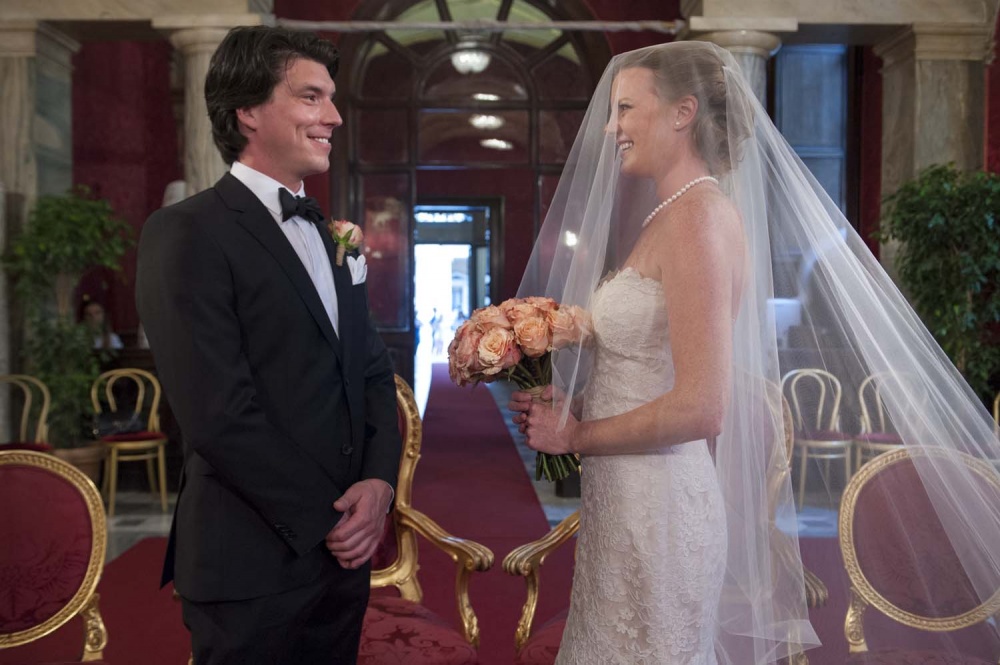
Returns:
(570,325)
(545,305)
(517,310)
(533,337)
(342,226)
(488,317)
(463,354)
(497,351)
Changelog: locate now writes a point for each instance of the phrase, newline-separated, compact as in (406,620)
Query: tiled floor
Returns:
(138,514)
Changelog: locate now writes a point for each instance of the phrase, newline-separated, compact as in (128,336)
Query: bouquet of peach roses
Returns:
(514,341)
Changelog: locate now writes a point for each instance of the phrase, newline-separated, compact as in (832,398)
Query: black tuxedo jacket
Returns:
(279,414)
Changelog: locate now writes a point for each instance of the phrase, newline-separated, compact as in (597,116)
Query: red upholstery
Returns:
(543,645)
(133,436)
(27,445)
(400,632)
(46,534)
(902,548)
(894,657)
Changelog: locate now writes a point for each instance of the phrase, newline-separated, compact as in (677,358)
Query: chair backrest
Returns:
(396,560)
(815,398)
(144,385)
(52,527)
(34,396)
(996,415)
(895,547)
(910,395)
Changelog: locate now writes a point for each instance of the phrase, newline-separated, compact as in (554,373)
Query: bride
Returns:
(680,209)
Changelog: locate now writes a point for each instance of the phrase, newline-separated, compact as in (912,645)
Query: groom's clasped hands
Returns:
(364,506)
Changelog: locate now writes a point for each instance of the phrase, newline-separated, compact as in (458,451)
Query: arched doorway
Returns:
(452,114)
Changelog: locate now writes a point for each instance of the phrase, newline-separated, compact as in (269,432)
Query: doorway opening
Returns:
(455,273)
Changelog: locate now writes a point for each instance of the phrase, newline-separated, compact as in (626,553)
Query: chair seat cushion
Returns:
(133,436)
(907,657)
(401,632)
(543,645)
(880,437)
(822,435)
(38,447)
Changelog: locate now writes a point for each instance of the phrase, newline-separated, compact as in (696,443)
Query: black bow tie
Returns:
(305,207)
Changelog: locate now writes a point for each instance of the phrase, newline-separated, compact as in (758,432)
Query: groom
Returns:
(282,387)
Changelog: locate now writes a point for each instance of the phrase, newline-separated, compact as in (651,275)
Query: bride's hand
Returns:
(540,424)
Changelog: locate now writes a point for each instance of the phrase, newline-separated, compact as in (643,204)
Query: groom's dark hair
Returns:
(244,70)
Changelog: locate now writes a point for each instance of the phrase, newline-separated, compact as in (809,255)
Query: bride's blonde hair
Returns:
(721,124)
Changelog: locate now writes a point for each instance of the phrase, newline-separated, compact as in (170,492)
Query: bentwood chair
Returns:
(901,563)
(540,648)
(146,444)
(52,528)
(877,434)
(996,415)
(33,429)
(398,629)
(815,397)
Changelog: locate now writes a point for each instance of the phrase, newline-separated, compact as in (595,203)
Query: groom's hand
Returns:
(364,506)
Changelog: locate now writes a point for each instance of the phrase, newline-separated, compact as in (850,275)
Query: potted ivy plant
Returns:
(947,222)
(65,236)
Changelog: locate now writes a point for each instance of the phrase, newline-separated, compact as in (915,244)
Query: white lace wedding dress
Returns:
(650,558)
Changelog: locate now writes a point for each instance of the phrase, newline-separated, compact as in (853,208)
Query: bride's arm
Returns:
(697,249)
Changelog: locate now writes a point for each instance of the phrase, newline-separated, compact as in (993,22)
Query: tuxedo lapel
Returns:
(256,219)
(342,282)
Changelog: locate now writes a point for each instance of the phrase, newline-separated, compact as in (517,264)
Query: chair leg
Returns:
(161,460)
(113,481)
(151,476)
(803,466)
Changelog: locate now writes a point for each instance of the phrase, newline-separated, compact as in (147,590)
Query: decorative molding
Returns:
(699,24)
(926,41)
(208,21)
(751,42)
(17,39)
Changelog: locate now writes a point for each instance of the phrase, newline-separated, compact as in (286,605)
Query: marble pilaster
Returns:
(751,49)
(35,145)
(933,102)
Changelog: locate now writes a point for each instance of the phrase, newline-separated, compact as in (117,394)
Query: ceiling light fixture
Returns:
(483,121)
(496,144)
(470,60)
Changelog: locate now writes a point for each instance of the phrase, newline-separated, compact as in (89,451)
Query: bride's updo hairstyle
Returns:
(694,69)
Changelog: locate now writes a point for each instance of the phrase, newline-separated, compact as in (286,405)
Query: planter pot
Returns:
(89,459)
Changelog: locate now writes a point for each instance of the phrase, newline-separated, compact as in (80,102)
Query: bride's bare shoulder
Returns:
(701,216)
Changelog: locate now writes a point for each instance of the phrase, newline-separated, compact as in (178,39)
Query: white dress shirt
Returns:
(301,233)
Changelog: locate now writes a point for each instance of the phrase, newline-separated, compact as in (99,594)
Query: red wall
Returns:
(124,147)
(870,148)
(992,148)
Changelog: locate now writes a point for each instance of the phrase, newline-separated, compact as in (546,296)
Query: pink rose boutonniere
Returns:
(347,235)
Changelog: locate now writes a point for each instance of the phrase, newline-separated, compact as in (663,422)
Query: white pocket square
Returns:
(358,268)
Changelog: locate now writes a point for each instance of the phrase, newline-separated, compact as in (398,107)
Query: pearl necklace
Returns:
(676,196)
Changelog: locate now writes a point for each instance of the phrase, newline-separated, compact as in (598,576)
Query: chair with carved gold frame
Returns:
(901,563)
(818,434)
(35,401)
(52,528)
(399,629)
(147,444)
(526,561)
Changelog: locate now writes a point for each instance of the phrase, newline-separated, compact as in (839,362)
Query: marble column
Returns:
(35,147)
(202,163)
(933,103)
(196,40)
(752,49)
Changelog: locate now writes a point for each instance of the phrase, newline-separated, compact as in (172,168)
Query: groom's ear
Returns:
(247,119)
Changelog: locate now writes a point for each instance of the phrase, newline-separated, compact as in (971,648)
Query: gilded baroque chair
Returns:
(901,563)
(33,430)
(526,561)
(815,397)
(399,629)
(145,442)
(52,527)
